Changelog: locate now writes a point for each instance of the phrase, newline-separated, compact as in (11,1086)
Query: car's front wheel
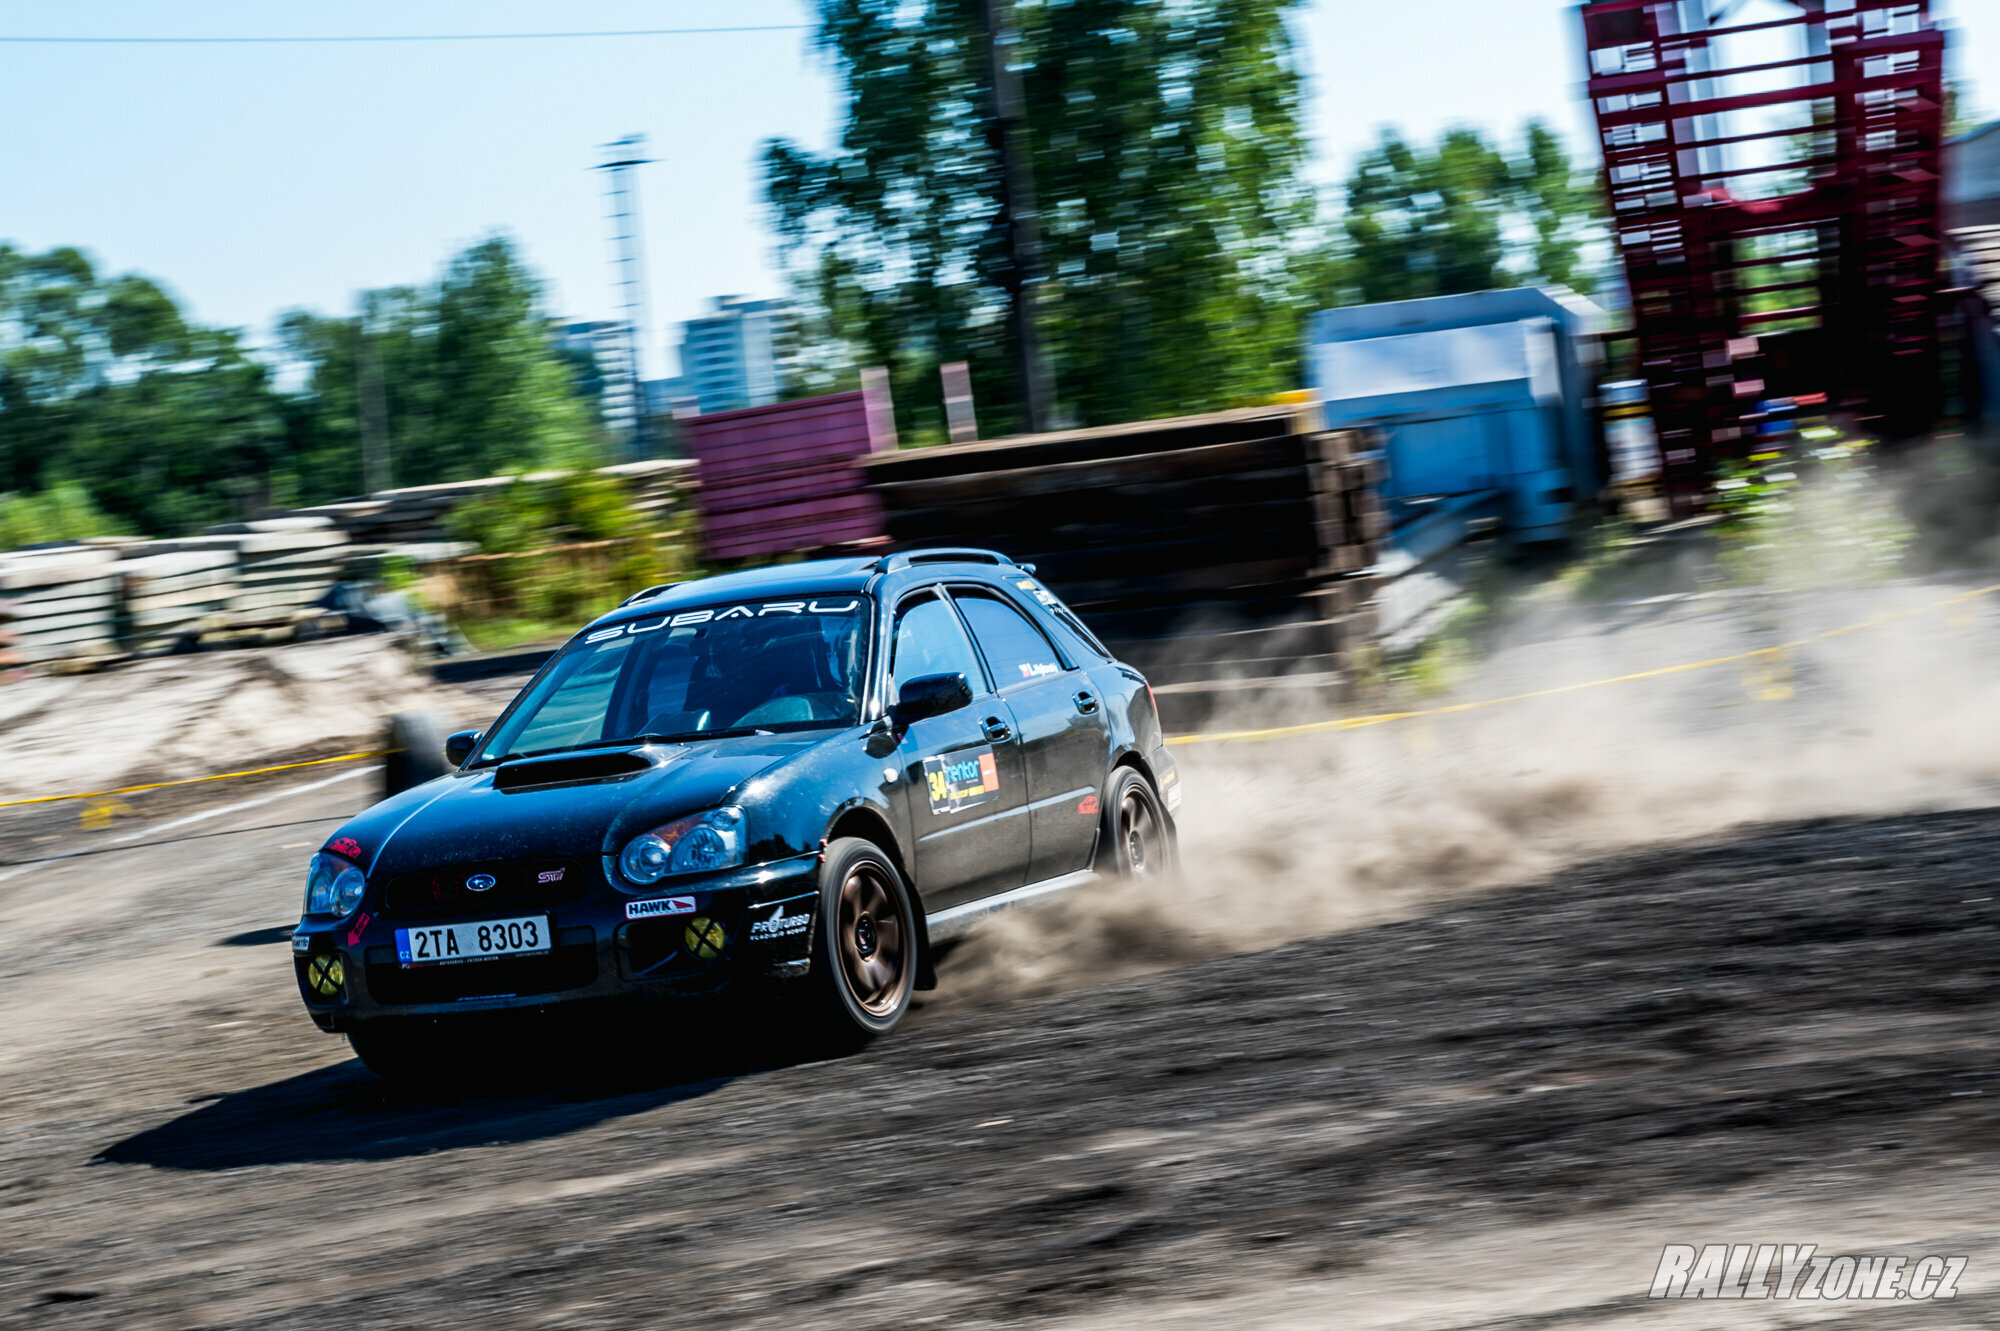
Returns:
(865,945)
(408,1053)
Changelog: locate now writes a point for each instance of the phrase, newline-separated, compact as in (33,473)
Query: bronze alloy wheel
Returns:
(1141,840)
(873,939)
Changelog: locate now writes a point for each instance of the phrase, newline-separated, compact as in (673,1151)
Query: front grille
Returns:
(570,966)
(516,883)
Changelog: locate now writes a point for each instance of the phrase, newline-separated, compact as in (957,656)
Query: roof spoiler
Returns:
(949,554)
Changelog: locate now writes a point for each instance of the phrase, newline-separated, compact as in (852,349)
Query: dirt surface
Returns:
(1494,1113)
(1421,1042)
(180,716)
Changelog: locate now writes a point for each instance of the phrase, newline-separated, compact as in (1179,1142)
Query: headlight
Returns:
(697,844)
(333,887)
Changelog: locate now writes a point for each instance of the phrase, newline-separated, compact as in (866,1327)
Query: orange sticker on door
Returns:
(958,781)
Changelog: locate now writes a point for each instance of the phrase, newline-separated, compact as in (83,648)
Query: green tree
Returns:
(1166,152)
(165,424)
(63,512)
(1464,216)
(470,379)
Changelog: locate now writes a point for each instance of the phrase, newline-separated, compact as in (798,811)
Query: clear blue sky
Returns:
(251,179)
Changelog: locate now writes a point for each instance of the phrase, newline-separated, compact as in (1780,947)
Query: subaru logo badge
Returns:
(480,882)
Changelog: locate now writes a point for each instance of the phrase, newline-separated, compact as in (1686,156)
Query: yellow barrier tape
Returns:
(194,780)
(1778,650)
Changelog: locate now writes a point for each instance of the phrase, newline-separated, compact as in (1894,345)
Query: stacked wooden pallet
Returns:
(10,655)
(659,486)
(396,517)
(165,596)
(280,572)
(64,600)
(1225,554)
(418,514)
(1981,247)
(282,565)
(781,479)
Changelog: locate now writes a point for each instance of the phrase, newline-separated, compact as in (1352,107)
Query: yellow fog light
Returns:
(705,938)
(326,975)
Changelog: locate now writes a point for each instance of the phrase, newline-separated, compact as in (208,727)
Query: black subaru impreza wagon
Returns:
(792,782)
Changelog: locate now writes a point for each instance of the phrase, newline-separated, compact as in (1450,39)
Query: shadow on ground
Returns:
(277,933)
(346,1112)
(514,1082)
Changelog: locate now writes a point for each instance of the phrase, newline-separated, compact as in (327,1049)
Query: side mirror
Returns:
(459,747)
(929,695)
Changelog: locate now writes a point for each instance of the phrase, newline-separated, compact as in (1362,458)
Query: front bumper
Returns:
(348,972)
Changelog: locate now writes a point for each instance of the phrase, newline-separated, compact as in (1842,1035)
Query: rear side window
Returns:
(929,642)
(1073,632)
(1070,631)
(1015,649)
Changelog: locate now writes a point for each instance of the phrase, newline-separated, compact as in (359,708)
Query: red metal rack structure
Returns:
(1773,177)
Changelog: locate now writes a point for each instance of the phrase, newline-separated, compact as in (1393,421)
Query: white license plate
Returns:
(438,944)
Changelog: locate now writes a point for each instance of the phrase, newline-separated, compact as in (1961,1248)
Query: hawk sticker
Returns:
(961,780)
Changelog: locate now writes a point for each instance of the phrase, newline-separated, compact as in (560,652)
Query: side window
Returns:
(1070,631)
(1078,635)
(929,641)
(1014,647)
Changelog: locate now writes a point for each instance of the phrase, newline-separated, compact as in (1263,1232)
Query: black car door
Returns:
(1061,719)
(962,770)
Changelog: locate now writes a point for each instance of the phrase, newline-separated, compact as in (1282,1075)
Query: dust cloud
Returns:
(1290,838)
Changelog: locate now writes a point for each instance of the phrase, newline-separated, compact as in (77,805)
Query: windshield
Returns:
(771,666)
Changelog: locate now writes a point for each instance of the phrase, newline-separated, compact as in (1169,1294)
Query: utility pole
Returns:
(1007,133)
(623,158)
(373,409)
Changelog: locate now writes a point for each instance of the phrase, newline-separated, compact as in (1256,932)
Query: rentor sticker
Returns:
(961,780)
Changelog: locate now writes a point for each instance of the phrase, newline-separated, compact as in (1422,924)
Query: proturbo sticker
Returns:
(780,924)
(961,780)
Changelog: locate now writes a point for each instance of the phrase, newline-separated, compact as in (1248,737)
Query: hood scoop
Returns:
(568,769)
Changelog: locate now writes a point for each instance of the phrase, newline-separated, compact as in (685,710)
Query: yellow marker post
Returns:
(98,815)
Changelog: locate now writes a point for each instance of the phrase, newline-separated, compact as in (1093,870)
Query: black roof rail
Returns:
(648,594)
(947,554)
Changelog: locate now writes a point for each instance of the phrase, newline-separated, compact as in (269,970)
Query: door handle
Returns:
(995,729)
(1085,703)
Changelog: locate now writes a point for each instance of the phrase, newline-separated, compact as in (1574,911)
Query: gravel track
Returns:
(1493,1114)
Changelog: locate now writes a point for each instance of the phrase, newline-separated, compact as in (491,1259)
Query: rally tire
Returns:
(415,744)
(1137,841)
(865,947)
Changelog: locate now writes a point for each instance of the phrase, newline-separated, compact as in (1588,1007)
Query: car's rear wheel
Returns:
(1137,841)
(865,946)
